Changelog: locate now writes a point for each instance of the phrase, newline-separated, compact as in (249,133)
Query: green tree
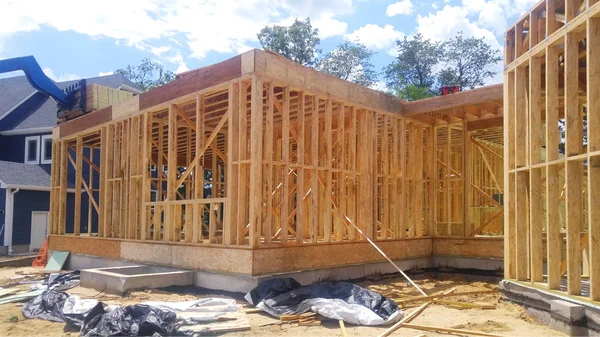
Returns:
(412,92)
(147,75)
(412,73)
(468,62)
(297,42)
(350,61)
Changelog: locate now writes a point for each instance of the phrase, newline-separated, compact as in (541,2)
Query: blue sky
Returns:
(75,38)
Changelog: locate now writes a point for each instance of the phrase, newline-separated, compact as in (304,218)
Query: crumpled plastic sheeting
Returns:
(334,300)
(94,318)
(133,320)
(200,305)
(46,306)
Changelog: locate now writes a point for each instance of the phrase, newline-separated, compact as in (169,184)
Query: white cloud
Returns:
(404,7)
(181,66)
(158,51)
(204,26)
(329,27)
(376,37)
(62,77)
(380,85)
(105,73)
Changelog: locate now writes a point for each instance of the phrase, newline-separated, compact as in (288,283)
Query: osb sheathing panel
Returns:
(219,259)
(469,247)
(85,245)
(306,257)
(192,257)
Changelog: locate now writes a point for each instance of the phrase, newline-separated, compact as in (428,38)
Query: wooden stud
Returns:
(552,103)
(300,170)
(285,168)
(554,239)
(593,129)
(268,154)
(78,184)
(574,187)
(522,224)
(256,136)
(573,115)
(536,222)
(315,175)
(327,228)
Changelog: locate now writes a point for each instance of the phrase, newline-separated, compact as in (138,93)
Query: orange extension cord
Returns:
(40,260)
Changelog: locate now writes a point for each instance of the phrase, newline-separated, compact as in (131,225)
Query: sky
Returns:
(80,38)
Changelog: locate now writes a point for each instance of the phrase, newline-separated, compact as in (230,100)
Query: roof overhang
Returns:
(28,131)
(34,188)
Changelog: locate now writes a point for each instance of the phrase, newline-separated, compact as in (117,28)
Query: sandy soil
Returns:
(507,319)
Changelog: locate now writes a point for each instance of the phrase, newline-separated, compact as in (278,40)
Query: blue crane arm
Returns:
(35,76)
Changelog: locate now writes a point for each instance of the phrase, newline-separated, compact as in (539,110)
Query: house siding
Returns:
(13,149)
(26,202)
(2,214)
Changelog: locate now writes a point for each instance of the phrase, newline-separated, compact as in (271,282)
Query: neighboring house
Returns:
(26,121)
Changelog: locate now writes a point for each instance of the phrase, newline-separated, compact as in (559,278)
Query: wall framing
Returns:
(258,152)
(551,79)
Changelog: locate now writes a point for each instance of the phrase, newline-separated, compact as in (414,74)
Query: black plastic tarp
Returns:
(46,306)
(94,319)
(336,300)
(133,320)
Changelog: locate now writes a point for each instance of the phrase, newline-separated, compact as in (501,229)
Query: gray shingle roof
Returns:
(14,89)
(23,174)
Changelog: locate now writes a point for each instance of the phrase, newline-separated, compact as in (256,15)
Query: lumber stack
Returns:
(99,96)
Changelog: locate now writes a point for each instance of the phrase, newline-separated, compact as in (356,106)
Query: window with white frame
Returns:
(32,150)
(46,154)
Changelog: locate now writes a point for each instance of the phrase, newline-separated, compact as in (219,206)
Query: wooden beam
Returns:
(485,123)
(474,96)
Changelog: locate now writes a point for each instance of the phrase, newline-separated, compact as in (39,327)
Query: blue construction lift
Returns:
(71,99)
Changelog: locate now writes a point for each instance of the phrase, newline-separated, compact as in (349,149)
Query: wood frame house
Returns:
(263,165)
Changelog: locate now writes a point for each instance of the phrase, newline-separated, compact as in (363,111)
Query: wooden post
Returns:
(230,223)
(170,213)
(593,128)
(328,171)
(315,167)
(285,168)
(467,224)
(256,138)
(268,155)
(554,239)
(299,171)
(78,183)
(522,224)
(574,187)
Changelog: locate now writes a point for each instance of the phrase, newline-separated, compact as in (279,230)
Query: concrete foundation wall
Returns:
(244,283)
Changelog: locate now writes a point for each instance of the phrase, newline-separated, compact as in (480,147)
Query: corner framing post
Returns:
(256,139)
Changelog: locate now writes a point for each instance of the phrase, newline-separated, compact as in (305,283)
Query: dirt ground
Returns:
(506,319)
